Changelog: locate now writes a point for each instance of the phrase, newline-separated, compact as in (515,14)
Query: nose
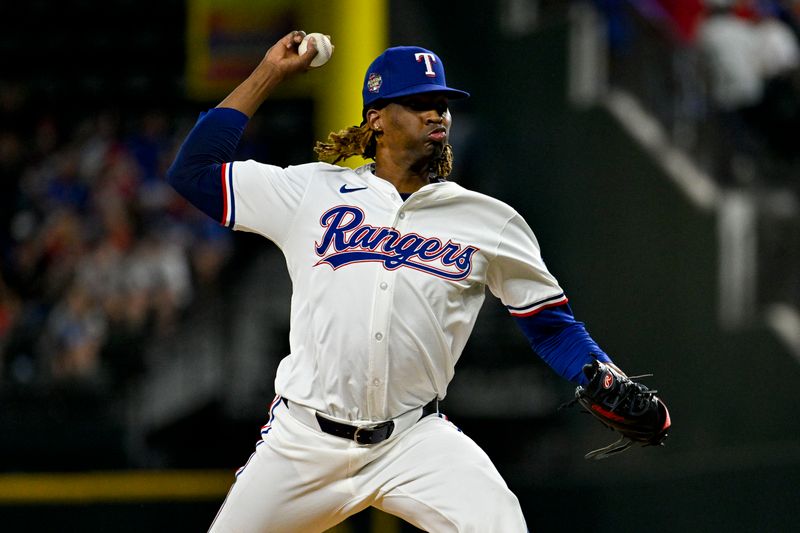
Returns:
(435,116)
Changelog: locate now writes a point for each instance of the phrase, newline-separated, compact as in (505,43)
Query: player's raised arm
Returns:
(212,142)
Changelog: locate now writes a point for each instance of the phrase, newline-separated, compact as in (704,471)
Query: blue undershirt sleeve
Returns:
(561,341)
(196,172)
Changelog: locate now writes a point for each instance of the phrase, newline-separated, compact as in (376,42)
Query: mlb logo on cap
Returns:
(406,70)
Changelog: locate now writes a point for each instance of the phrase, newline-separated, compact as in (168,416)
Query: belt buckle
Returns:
(373,427)
(358,430)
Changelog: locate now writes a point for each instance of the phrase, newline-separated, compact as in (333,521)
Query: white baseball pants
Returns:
(301,480)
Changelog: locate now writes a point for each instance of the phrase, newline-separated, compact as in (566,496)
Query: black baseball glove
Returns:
(625,406)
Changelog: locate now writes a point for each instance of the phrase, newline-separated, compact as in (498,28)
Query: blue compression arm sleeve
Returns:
(561,341)
(196,172)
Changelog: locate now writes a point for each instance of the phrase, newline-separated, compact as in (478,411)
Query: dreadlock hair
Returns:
(362,140)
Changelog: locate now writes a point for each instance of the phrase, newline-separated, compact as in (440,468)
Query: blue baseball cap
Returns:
(405,70)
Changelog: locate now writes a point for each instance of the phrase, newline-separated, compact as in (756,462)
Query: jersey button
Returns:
(402,216)
(384,285)
(378,336)
(376,382)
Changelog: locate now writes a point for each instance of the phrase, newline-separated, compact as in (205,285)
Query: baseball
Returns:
(324,48)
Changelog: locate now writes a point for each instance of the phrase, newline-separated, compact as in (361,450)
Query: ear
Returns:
(374,119)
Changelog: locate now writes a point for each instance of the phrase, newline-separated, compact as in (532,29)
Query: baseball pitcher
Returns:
(389,264)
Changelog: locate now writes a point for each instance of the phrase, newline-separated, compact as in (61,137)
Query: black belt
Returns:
(370,434)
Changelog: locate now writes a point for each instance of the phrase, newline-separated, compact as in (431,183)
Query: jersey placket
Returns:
(377,389)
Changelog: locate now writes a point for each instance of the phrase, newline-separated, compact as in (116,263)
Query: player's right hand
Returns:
(283,56)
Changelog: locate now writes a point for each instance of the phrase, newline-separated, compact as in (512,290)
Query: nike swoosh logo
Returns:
(343,189)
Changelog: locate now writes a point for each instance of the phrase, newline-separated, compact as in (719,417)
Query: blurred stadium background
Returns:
(138,340)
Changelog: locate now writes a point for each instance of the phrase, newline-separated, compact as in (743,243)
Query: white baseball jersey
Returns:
(385,292)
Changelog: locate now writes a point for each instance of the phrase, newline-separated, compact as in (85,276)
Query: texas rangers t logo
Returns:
(347,240)
(429,59)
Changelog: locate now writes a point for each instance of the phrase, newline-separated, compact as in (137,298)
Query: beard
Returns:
(442,162)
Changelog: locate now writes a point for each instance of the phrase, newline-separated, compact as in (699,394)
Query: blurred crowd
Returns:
(98,252)
(748,70)
(752,52)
